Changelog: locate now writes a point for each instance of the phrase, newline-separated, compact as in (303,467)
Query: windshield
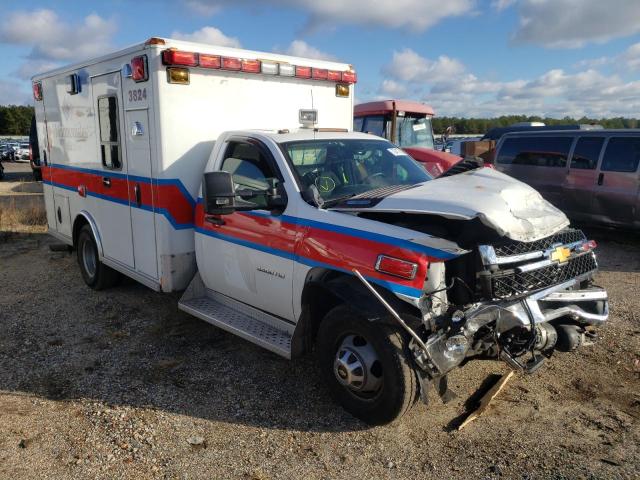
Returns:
(345,167)
(415,132)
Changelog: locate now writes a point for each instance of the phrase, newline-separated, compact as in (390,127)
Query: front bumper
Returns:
(560,303)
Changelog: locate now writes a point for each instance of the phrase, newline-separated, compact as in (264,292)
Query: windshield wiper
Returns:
(335,201)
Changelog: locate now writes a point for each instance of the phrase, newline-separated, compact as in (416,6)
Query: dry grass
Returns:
(14,218)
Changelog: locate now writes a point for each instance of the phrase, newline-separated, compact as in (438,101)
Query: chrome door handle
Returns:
(106,181)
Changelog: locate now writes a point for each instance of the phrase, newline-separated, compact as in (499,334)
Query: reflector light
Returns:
(155,41)
(269,68)
(251,66)
(349,77)
(178,75)
(139,71)
(176,57)
(229,63)
(209,61)
(287,70)
(303,72)
(342,90)
(319,74)
(37,91)
(334,75)
(396,267)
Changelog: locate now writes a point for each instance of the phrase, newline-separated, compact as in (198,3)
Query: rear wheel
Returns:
(95,273)
(365,366)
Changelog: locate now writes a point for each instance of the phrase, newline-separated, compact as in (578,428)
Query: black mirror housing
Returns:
(218,192)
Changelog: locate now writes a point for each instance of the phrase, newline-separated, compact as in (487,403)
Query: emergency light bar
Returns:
(172,57)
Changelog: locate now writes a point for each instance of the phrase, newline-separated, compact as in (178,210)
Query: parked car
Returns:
(592,175)
(22,152)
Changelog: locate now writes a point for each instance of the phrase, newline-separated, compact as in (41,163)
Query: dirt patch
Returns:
(120,384)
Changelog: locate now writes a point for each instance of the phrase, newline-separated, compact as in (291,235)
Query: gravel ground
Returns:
(120,384)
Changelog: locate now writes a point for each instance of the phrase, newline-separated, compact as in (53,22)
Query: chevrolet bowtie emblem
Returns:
(560,254)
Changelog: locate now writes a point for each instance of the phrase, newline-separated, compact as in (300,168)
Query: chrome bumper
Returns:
(586,307)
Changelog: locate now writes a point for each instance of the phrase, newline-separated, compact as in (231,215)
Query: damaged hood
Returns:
(512,208)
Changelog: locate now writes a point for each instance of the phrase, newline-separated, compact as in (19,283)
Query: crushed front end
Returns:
(518,301)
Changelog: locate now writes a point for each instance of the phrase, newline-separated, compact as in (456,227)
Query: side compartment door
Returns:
(112,202)
(141,192)
(249,256)
(615,197)
(582,177)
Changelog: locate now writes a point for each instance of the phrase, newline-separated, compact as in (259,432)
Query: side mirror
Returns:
(219,193)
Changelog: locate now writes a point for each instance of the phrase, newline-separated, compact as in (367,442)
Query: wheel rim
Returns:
(89,258)
(357,368)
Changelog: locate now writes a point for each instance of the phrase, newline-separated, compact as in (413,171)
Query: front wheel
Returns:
(366,366)
(95,273)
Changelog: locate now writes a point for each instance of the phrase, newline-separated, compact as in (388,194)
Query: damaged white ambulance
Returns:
(235,175)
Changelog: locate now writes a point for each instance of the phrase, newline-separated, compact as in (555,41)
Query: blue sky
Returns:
(465,57)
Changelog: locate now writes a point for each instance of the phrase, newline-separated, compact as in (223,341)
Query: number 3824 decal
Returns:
(138,95)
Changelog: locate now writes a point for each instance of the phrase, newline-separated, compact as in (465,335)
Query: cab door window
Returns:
(586,153)
(249,168)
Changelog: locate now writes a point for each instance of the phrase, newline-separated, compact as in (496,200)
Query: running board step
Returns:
(242,320)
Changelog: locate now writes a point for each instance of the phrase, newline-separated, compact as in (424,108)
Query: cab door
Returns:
(248,256)
(112,202)
(582,177)
(615,198)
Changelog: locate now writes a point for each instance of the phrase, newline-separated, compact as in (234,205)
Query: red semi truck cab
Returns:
(408,125)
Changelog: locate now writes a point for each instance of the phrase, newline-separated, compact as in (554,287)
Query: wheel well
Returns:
(79,222)
(316,303)
(325,289)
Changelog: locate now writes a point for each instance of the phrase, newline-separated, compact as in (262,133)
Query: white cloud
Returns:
(452,90)
(391,88)
(414,14)
(209,35)
(300,48)
(408,66)
(630,59)
(500,5)
(574,23)
(51,38)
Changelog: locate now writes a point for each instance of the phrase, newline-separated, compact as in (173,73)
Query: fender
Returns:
(94,229)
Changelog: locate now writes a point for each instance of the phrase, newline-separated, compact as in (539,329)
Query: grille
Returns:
(564,237)
(508,284)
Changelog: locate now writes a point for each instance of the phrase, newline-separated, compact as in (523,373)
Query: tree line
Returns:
(482,125)
(15,119)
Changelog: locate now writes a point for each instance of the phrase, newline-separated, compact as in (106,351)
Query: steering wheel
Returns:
(326,182)
(371,178)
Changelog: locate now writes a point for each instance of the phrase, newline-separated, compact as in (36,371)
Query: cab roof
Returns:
(383,107)
(303,134)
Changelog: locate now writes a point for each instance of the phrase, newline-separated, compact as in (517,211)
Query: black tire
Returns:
(94,273)
(398,389)
(37,175)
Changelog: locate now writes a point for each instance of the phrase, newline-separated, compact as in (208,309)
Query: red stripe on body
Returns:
(342,251)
